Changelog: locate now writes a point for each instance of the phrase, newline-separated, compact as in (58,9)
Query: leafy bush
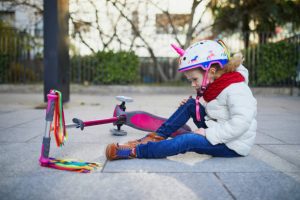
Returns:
(4,65)
(17,72)
(6,51)
(276,63)
(106,68)
(13,46)
(82,68)
(117,68)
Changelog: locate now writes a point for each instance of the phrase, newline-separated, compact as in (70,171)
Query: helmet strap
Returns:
(204,85)
(200,93)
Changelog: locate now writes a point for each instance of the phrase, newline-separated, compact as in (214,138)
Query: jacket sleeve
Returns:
(242,109)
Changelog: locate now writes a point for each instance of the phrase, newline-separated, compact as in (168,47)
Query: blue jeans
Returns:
(183,143)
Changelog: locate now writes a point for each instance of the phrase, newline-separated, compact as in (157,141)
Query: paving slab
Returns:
(19,134)
(19,117)
(290,135)
(267,185)
(294,175)
(192,162)
(273,160)
(290,153)
(114,186)
(262,138)
(21,159)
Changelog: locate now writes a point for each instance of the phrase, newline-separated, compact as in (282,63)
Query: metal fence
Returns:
(291,59)
(21,60)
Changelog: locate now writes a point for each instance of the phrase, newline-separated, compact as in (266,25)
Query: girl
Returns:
(224,110)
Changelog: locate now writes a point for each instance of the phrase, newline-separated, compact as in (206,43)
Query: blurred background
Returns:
(128,41)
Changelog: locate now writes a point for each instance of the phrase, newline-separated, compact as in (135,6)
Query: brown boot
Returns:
(151,137)
(120,151)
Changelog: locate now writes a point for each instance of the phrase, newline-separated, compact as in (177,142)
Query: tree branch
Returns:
(170,21)
(138,34)
(25,3)
(80,36)
(190,25)
(97,21)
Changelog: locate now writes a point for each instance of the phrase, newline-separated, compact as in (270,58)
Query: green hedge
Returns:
(276,63)
(106,68)
(6,51)
(116,68)
(4,66)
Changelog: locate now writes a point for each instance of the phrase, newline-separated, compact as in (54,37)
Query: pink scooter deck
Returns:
(147,122)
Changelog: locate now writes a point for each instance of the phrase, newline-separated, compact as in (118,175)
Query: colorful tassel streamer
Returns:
(71,165)
(58,123)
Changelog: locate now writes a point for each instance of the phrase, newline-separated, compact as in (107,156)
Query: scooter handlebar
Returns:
(78,123)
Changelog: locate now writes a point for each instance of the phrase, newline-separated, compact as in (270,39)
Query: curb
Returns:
(140,89)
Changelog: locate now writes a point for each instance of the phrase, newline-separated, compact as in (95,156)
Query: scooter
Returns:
(55,123)
(140,120)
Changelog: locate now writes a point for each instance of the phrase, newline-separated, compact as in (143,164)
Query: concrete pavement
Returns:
(271,171)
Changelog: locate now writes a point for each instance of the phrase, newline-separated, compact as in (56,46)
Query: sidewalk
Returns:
(272,171)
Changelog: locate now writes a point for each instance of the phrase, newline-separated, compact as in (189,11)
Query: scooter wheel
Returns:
(117,132)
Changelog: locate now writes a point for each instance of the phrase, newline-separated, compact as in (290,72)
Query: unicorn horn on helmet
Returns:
(179,50)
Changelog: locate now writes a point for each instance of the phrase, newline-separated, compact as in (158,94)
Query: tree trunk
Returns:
(246,30)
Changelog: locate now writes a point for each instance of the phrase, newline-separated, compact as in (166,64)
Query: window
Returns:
(8,17)
(38,26)
(164,23)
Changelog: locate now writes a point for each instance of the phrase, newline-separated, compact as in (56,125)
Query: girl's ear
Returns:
(212,70)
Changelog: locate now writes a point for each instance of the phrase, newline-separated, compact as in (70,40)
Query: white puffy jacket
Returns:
(231,116)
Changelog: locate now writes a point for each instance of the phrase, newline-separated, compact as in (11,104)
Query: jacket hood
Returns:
(242,70)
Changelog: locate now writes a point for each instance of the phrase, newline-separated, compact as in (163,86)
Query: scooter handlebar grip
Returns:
(79,123)
(46,147)
(50,106)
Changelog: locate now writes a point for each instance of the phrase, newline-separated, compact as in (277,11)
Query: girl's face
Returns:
(195,76)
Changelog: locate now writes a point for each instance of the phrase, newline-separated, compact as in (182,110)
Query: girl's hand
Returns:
(184,101)
(200,131)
